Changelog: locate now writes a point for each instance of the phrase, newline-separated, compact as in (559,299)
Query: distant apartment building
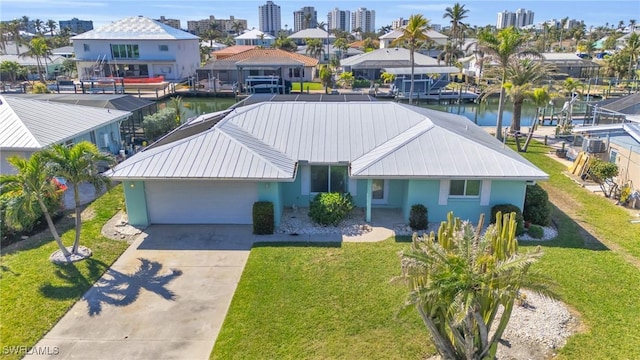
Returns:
(398,23)
(339,19)
(198,27)
(76,26)
(572,23)
(519,19)
(436,27)
(269,18)
(363,19)
(305,18)
(174,23)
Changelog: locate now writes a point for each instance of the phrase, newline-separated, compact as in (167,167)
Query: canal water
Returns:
(483,114)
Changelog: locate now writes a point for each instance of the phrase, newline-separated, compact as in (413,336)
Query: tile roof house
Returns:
(136,47)
(30,125)
(385,154)
(254,61)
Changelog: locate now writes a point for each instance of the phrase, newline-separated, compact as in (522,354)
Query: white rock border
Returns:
(58,258)
(550,233)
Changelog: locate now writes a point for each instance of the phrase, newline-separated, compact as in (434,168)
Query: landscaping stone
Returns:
(58,258)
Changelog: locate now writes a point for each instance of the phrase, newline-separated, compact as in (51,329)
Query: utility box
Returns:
(594,146)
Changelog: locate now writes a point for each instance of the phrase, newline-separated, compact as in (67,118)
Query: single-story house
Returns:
(571,65)
(386,154)
(230,51)
(255,37)
(387,39)
(51,68)
(371,64)
(333,51)
(301,36)
(258,62)
(30,125)
(136,47)
(614,110)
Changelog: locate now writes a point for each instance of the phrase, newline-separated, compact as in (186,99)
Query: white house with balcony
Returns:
(136,47)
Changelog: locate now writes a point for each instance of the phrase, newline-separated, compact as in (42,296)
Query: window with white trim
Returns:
(328,179)
(464,188)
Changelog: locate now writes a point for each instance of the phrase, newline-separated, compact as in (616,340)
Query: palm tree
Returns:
(326,77)
(502,48)
(563,23)
(51,26)
(450,54)
(39,26)
(11,68)
(306,20)
(459,282)
(38,49)
(314,48)
(282,42)
(632,49)
(78,164)
(13,28)
(24,21)
(413,35)
(30,185)
(571,85)
(456,13)
(342,45)
(540,97)
(237,27)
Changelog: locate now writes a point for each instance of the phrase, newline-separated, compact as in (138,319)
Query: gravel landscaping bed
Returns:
(297,221)
(550,233)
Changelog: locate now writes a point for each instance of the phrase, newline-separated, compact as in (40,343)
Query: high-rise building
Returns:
(572,23)
(76,26)
(399,23)
(230,26)
(436,27)
(339,19)
(505,19)
(363,19)
(305,18)
(174,23)
(269,18)
(523,18)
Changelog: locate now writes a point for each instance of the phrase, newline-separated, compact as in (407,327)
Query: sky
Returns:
(481,12)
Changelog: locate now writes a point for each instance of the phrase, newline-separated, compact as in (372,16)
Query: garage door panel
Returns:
(200,202)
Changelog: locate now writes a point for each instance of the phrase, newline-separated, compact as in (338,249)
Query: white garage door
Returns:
(200,202)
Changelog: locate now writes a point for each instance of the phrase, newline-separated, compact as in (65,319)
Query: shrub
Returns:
(536,206)
(418,217)
(361,83)
(23,224)
(263,218)
(160,123)
(40,88)
(536,232)
(330,208)
(507,209)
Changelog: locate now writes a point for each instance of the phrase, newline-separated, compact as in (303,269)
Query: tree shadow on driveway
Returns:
(114,287)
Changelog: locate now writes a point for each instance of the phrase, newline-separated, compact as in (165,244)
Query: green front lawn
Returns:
(35,293)
(295,86)
(310,301)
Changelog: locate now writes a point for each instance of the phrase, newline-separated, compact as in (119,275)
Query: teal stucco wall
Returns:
(272,191)
(508,192)
(136,202)
(111,130)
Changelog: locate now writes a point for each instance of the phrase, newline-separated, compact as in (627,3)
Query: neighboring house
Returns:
(301,36)
(621,42)
(255,37)
(131,129)
(137,47)
(334,51)
(230,51)
(622,148)
(387,39)
(571,65)
(51,66)
(614,110)
(386,154)
(256,62)
(65,51)
(31,125)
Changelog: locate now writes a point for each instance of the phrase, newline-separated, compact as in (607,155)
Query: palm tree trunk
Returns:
(500,111)
(517,114)
(52,228)
(412,76)
(76,197)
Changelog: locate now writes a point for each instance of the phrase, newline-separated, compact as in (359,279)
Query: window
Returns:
(613,156)
(377,189)
(163,47)
(328,179)
(460,188)
(86,47)
(127,51)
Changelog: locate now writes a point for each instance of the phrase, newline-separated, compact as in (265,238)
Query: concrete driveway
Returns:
(165,298)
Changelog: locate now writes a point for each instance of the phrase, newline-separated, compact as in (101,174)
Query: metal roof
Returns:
(34,124)
(136,28)
(108,101)
(254,34)
(423,70)
(30,60)
(388,57)
(314,33)
(432,34)
(379,139)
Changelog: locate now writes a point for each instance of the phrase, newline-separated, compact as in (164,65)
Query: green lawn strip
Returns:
(602,287)
(295,86)
(35,293)
(321,301)
(609,221)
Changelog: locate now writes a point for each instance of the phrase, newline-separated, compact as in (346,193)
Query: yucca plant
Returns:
(459,281)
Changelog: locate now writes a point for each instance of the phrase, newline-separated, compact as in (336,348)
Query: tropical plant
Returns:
(330,208)
(326,77)
(68,67)
(315,48)
(632,49)
(40,88)
(460,282)
(31,185)
(346,79)
(540,97)
(387,78)
(457,13)
(450,54)
(342,45)
(571,86)
(282,42)
(413,35)
(51,26)
(602,173)
(79,164)
(419,217)
(536,207)
(502,47)
(12,69)
(176,104)
(160,123)
(38,49)
(237,27)
(13,28)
